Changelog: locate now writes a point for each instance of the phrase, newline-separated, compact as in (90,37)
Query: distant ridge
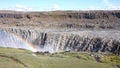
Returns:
(92,19)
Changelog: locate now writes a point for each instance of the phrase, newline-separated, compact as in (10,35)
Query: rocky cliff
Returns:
(88,31)
(63,19)
(86,41)
(63,14)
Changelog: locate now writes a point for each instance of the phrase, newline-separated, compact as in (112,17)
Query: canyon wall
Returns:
(63,14)
(63,19)
(86,41)
(55,31)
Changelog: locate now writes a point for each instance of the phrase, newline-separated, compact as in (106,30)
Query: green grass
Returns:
(58,60)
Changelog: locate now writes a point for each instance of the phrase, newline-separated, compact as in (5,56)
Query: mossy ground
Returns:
(17,58)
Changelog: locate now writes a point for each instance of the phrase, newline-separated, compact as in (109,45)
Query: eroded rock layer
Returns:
(62,19)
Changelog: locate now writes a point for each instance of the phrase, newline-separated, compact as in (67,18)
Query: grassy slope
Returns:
(67,60)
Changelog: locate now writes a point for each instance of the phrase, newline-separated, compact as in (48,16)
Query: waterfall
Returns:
(11,40)
(90,41)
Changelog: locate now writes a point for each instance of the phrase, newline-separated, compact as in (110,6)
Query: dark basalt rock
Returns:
(7,15)
(94,15)
(42,53)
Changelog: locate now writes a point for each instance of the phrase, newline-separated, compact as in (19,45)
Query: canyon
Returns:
(57,31)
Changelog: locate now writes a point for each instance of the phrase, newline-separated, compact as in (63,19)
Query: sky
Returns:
(51,5)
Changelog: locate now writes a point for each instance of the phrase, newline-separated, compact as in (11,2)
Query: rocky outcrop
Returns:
(16,16)
(95,15)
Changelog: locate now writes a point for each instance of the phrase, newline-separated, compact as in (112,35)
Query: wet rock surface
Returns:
(88,41)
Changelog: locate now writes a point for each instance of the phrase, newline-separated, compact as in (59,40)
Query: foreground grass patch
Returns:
(57,60)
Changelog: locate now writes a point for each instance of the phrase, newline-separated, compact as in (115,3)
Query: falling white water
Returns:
(49,48)
(10,40)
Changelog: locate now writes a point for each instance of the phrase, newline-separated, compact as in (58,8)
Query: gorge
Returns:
(57,31)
